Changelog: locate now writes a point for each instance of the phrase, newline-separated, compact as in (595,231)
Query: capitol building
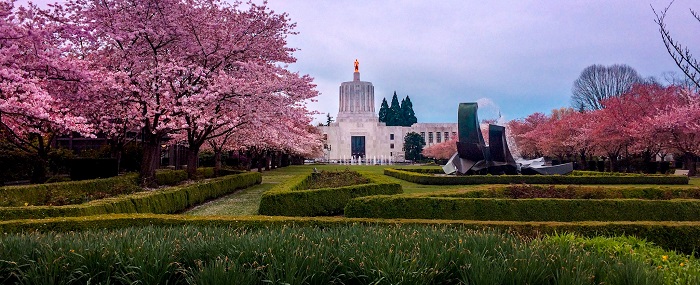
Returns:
(357,132)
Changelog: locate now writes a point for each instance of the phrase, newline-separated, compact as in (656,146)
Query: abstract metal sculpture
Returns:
(475,157)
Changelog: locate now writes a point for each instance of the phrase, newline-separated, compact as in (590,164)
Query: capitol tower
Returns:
(356,98)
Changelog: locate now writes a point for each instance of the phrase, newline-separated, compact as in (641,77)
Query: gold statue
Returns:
(357,66)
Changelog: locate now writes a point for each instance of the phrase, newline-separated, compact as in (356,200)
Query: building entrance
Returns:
(357,146)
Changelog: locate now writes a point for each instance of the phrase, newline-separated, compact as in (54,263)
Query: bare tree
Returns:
(598,82)
(680,54)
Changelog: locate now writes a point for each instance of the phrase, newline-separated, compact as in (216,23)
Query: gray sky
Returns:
(523,56)
(518,57)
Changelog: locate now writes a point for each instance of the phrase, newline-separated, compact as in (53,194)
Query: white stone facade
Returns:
(357,118)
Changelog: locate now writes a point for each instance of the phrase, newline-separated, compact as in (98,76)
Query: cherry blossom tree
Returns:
(680,124)
(443,150)
(186,63)
(519,129)
(38,77)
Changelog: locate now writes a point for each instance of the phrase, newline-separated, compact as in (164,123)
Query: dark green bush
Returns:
(76,192)
(170,177)
(64,193)
(526,191)
(162,201)
(489,209)
(288,198)
(417,176)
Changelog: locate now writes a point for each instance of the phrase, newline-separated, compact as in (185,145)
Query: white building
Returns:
(357,131)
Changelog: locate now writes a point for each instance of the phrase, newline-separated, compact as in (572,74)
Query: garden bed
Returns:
(430,176)
(354,254)
(294,198)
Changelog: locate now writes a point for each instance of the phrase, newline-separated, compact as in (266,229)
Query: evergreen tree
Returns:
(383,111)
(402,115)
(413,144)
(394,114)
(409,116)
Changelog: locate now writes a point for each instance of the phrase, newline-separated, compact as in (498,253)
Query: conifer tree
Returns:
(409,116)
(383,111)
(394,114)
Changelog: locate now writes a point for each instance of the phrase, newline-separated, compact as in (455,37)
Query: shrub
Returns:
(288,198)
(418,176)
(64,193)
(526,191)
(170,177)
(489,209)
(163,201)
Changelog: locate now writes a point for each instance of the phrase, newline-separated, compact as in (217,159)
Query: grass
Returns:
(352,254)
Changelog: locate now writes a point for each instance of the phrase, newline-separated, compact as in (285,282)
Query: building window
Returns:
(422,134)
(439,137)
(391,137)
(454,134)
(391,146)
(430,137)
(447,136)
(391,154)
(325,137)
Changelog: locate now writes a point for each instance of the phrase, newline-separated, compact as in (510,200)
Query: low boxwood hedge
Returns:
(419,176)
(526,191)
(76,192)
(490,209)
(681,236)
(288,198)
(162,201)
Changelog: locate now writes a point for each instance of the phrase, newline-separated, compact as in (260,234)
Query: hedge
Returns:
(286,199)
(168,200)
(414,176)
(681,236)
(525,191)
(71,192)
(76,192)
(488,209)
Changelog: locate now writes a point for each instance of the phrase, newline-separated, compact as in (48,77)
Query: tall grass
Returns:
(293,255)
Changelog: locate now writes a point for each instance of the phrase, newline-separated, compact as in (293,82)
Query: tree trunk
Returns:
(39,168)
(39,171)
(217,161)
(690,162)
(192,161)
(613,164)
(149,162)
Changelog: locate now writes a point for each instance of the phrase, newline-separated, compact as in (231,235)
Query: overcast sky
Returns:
(520,57)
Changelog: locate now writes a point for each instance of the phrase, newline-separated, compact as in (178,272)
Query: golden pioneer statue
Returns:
(357,66)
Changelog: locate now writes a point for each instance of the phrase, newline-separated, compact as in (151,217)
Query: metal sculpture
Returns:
(475,157)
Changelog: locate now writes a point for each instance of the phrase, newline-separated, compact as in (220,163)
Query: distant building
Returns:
(357,131)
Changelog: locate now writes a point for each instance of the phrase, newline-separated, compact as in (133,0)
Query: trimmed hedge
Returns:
(681,236)
(487,209)
(168,200)
(286,199)
(71,192)
(418,176)
(525,191)
(76,192)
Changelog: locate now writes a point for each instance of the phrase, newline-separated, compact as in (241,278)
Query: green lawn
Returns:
(246,201)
